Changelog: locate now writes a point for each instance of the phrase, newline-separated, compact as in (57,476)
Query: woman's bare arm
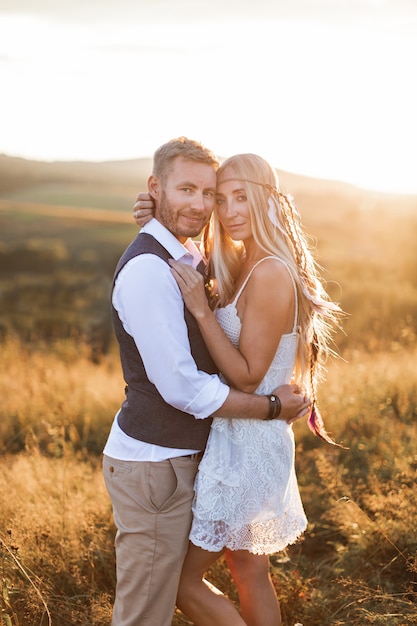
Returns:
(266,311)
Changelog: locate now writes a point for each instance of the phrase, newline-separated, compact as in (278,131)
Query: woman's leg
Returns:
(258,601)
(199,599)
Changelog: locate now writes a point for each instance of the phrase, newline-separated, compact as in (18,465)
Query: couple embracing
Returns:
(200,458)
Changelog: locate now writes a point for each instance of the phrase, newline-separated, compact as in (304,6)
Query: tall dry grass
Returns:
(57,559)
(56,527)
(356,564)
(53,395)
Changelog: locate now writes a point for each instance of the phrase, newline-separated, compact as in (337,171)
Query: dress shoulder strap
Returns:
(237,296)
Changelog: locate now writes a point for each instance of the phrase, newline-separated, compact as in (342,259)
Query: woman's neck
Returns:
(253,253)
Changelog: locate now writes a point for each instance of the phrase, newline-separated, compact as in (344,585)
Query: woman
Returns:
(271,323)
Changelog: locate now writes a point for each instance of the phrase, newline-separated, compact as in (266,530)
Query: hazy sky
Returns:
(324,88)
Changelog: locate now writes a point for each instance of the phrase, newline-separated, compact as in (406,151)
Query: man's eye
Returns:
(209,194)
(186,189)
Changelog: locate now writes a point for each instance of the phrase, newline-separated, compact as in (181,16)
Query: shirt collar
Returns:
(187,252)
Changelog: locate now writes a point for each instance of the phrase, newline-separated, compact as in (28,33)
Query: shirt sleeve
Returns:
(151,309)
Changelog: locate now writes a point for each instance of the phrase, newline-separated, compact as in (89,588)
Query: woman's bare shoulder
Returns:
(270,269)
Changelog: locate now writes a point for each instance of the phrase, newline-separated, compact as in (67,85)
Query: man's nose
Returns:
(198,201)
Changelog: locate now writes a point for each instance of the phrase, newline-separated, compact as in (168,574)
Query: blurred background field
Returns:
(62,229)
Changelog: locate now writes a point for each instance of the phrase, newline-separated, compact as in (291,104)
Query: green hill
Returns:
(113,185)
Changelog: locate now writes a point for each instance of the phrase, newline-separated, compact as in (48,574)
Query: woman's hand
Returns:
(191,284)
(294,403)
(143,209)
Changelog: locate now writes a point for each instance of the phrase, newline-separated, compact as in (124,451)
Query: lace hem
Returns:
(260,538)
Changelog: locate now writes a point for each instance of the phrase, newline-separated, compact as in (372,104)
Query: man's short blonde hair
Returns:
(181,147)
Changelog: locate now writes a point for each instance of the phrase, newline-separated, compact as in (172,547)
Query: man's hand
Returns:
(143,209)
(294,404)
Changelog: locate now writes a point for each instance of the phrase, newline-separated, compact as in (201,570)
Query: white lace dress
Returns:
(247,495)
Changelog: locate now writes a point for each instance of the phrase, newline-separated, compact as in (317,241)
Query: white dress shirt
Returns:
(151,309)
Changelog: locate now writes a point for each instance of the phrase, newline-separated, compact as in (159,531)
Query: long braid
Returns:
(292,222)
(310,287)
(292,228)
(315,421)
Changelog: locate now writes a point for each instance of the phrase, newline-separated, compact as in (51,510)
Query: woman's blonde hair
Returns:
(276,228)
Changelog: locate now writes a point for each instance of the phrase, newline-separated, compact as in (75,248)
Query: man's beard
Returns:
(170,219)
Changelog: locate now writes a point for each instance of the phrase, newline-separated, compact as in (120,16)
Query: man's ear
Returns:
(154,187)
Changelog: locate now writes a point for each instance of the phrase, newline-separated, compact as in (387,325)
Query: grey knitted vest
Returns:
(144,413)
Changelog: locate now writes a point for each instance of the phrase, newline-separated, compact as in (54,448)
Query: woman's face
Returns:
(232,207)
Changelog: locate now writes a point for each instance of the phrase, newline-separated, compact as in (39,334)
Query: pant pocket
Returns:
(163,484)
(171,483)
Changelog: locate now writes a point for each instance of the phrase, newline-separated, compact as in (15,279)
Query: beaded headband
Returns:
(270,188)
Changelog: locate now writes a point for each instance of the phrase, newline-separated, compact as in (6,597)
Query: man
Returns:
(155,444)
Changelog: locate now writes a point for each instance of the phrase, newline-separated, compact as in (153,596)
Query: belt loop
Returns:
(195,456)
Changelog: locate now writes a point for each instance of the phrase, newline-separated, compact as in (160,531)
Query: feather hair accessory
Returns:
(316,425)
(273,211)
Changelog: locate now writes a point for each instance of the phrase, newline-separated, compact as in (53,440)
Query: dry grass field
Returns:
(356,564)
(60,384)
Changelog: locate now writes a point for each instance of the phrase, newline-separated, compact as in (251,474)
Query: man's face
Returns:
(185,201)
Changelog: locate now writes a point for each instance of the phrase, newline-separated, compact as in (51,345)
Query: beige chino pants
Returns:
(152,512)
